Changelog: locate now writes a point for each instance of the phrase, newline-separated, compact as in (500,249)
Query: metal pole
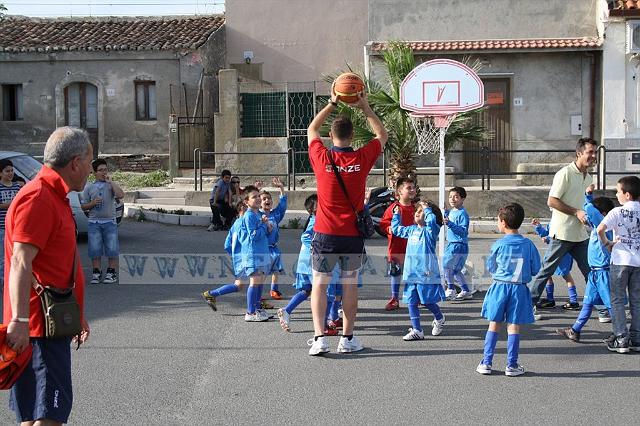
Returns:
(384,167)
(195,169)
(289,169)
(604,168)
(200,167)
(441,176)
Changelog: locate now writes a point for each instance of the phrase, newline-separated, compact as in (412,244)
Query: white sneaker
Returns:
(536,315)
(483,368)
(413,334)
(284,319)
(95,277)
(109,278)
(514,371)
(263,315)
(256,317)
(346,346)
(464,295)
(438,326)
(319,346)
(450,294)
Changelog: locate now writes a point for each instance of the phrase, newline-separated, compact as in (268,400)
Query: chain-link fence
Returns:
(282,110)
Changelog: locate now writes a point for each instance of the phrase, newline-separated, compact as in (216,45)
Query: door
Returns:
(496,117)
(81,110)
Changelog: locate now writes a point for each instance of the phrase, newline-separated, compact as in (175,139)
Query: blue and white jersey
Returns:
(275,217)
(254,246)
(543,232)
(304,258)
(598,255)
(458,226)
(232,244)
(513,259)
(421,262)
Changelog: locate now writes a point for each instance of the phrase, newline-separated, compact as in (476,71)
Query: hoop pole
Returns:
(441,200)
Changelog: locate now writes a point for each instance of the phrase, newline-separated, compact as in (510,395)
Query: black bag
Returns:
(364,223)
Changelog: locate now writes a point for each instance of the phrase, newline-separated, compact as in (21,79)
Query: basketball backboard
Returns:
(441,87)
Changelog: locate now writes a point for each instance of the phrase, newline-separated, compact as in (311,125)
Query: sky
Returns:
(67,8)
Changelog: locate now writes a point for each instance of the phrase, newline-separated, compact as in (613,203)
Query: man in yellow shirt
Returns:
(566,230)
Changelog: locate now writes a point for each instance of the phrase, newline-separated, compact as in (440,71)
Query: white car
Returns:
(26,168)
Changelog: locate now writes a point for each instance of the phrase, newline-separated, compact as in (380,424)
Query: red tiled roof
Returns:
(21,34)
(514,44)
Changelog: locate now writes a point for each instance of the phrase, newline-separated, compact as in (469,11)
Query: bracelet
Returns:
(335,104)
(20,319)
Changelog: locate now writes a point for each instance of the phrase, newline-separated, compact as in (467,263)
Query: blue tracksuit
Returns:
(421,271)
(566,263)
(275,217)
(233,247)
(304,272)
(513,261)
(597,290)
(254,244)
(457,248)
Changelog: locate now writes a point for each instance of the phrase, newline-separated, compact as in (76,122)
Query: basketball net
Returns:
(428,129)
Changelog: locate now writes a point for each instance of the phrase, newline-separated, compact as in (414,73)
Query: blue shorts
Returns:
(103,239)
(564,268)
(248,271)
(510,303)
(44,390)
(455,256)
(275,257)
(597,291)
(422,293)
(303,282)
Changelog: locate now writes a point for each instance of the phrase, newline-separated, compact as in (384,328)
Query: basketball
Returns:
(347,86)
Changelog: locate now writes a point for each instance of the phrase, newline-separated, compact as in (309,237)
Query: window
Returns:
(146,100)
(12,102)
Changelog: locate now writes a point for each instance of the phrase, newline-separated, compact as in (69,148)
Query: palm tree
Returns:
(384,98)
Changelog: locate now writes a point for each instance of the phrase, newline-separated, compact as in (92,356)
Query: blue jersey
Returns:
(513,259)
(304,258)
(232,245)
(275,217)
(458,226)
(421,262)
(254,246)
(599,256)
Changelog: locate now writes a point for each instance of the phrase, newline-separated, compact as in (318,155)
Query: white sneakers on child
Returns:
(319,346)
(463,295)
(284,319)
(258,316)
(518,370)
(346,346)
(450,294)
(438,326)
(413,334)
(483,368)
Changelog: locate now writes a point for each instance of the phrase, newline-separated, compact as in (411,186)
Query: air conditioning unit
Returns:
(633,162)
(633,37)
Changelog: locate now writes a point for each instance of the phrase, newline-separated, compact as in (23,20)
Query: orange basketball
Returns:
(347,86)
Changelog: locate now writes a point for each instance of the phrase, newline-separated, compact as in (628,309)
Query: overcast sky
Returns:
(53,8)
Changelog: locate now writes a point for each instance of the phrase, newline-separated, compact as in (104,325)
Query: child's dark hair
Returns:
(4,163)
(310,203)
(224,173)
(403,181)
(512,214)
(436,210)
(631,185)
(460,191)
(97,163)
(265,192)
(603,204)
(241,206)
(248,190)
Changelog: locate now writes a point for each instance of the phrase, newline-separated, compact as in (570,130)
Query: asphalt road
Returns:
(159,355)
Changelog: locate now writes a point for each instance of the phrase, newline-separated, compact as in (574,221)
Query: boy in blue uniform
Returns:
(457,248)
(275,217)
(563,270)
(513,261)
(254,251)
(304,273)
(597,289)
(232,247)
(421,275)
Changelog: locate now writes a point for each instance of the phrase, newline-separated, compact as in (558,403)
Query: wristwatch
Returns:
(20,319)
(335,104)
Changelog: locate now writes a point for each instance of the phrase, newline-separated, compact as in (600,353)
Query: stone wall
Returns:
(137,163)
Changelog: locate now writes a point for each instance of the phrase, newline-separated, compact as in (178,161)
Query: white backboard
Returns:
(440,87)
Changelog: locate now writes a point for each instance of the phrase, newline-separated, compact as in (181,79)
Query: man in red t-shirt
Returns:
(336,237)
(397,247)
(40,242)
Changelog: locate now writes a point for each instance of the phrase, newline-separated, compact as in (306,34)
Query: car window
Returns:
(26,166)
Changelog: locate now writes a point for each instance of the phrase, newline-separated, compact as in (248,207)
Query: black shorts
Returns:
(327,250)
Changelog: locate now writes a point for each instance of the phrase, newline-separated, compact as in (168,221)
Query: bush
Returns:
(294,223)
(131,180)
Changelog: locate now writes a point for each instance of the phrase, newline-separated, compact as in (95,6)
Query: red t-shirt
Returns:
(40,215)
(397,247)
(335,215)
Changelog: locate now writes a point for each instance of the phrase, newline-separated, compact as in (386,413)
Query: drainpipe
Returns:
(592,101)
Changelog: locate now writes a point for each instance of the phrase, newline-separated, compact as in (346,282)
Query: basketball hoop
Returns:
(429,129)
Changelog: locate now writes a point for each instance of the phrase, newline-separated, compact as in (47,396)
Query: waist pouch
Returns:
(61,312)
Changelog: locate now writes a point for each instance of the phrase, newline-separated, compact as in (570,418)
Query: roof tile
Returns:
(21,34)
(514,44)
